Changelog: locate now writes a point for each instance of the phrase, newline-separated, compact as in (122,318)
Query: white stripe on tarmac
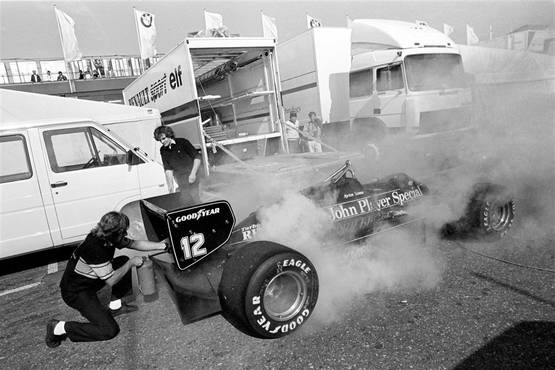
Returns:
(52,268)
(10,291)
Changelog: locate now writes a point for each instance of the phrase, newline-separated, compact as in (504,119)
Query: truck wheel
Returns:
(268,290)
(489,214)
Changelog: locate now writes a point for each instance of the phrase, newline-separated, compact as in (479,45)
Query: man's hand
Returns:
(192,178)
(137,261)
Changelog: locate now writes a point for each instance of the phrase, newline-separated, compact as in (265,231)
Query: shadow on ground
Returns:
(527,345)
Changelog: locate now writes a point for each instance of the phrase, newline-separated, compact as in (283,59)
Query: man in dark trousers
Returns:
(181,162)
(91,267)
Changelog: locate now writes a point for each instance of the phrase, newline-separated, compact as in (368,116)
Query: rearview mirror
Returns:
(132,158)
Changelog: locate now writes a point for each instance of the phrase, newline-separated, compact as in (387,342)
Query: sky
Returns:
(29,29)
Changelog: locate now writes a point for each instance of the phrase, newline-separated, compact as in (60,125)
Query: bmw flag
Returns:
(146,30)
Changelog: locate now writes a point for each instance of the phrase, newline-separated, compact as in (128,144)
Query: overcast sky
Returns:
(29,30)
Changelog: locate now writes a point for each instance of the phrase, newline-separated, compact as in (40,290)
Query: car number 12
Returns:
(192,246)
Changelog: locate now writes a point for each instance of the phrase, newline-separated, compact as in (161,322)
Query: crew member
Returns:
(92,266)
(181,162)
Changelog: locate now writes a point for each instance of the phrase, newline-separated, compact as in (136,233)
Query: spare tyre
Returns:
(489,214)
(268,290)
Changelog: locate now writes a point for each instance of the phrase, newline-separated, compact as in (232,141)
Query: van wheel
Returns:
(268,290)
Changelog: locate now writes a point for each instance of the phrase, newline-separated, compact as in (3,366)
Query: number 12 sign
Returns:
(197,231)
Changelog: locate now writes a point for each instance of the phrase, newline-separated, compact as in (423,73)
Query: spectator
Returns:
(48,76)
(81,75)
(61,76)
(181,162)
(91,267)
(35,77)
(314,130)
(95,74)
(292,133)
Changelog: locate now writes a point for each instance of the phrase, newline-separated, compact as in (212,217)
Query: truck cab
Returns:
(406,76)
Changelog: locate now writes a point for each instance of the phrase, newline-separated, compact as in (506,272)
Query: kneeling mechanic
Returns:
(91,267)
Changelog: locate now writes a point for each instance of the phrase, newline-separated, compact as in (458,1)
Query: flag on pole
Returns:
(213,21)
(349,22)
(447,29)
(269,28)
(471,37)
(70,46)
(146,30)
(312,22)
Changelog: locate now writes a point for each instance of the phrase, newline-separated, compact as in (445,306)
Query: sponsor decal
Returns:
(370,204)
(203,212)
(249,231)
(296,263)
(266,324)
(158,88)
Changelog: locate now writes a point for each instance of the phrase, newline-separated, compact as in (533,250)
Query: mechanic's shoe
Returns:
(52,340)
(125,308)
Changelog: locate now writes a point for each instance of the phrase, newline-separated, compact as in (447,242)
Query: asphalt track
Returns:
(482,314)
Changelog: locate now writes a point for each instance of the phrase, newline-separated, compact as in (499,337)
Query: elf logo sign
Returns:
(175,78)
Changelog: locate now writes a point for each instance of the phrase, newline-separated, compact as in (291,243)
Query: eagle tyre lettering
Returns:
(268,290)
(281,295)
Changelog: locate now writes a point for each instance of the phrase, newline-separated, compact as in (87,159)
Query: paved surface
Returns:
(480,314)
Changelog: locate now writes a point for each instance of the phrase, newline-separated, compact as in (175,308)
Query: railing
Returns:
(14,71)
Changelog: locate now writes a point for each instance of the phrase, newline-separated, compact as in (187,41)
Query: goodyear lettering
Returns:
(284,328)
(297,263)
(198,214)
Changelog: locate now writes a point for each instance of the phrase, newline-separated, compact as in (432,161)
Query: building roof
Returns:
(530,27)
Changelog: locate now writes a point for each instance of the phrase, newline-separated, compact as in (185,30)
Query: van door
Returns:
(88,177)
(390,89)
(23,224)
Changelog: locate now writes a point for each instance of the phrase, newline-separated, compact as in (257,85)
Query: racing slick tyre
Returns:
(268,290)
(489,214)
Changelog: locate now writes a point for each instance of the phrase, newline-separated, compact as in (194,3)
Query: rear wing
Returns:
(194,231)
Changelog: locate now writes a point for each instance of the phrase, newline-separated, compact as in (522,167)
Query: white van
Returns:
(58,177)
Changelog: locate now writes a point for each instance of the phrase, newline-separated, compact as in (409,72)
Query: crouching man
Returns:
(91,267)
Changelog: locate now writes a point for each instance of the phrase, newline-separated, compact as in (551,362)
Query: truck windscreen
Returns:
(434,71)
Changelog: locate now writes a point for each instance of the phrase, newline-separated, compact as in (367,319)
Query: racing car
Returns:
(216,265)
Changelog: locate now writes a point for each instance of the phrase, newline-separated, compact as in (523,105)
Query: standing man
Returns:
(292,133)
(61,76)
(314,129)
(181,162)
(35,77)
(92,266)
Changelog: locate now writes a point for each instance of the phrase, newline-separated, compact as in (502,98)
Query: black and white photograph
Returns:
(277,184)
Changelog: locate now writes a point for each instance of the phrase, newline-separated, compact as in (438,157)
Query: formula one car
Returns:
(268,290)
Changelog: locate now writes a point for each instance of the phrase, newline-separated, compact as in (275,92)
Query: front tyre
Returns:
(268,290)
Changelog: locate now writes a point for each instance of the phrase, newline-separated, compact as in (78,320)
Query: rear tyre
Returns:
(489,214)
(268,290)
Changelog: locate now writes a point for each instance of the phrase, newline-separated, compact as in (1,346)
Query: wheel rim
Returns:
(500,215)
(285,296)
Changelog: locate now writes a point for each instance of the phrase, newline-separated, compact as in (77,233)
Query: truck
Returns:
(376,77)
(64,163)
(216,92)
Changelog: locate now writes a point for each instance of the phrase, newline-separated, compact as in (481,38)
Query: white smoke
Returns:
(392,262)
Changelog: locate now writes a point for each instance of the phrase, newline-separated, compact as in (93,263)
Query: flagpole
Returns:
(139,39)
(70,77)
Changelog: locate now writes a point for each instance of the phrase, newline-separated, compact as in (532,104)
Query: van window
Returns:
(79,148)
(14,159)
(389,78)
(360,83)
